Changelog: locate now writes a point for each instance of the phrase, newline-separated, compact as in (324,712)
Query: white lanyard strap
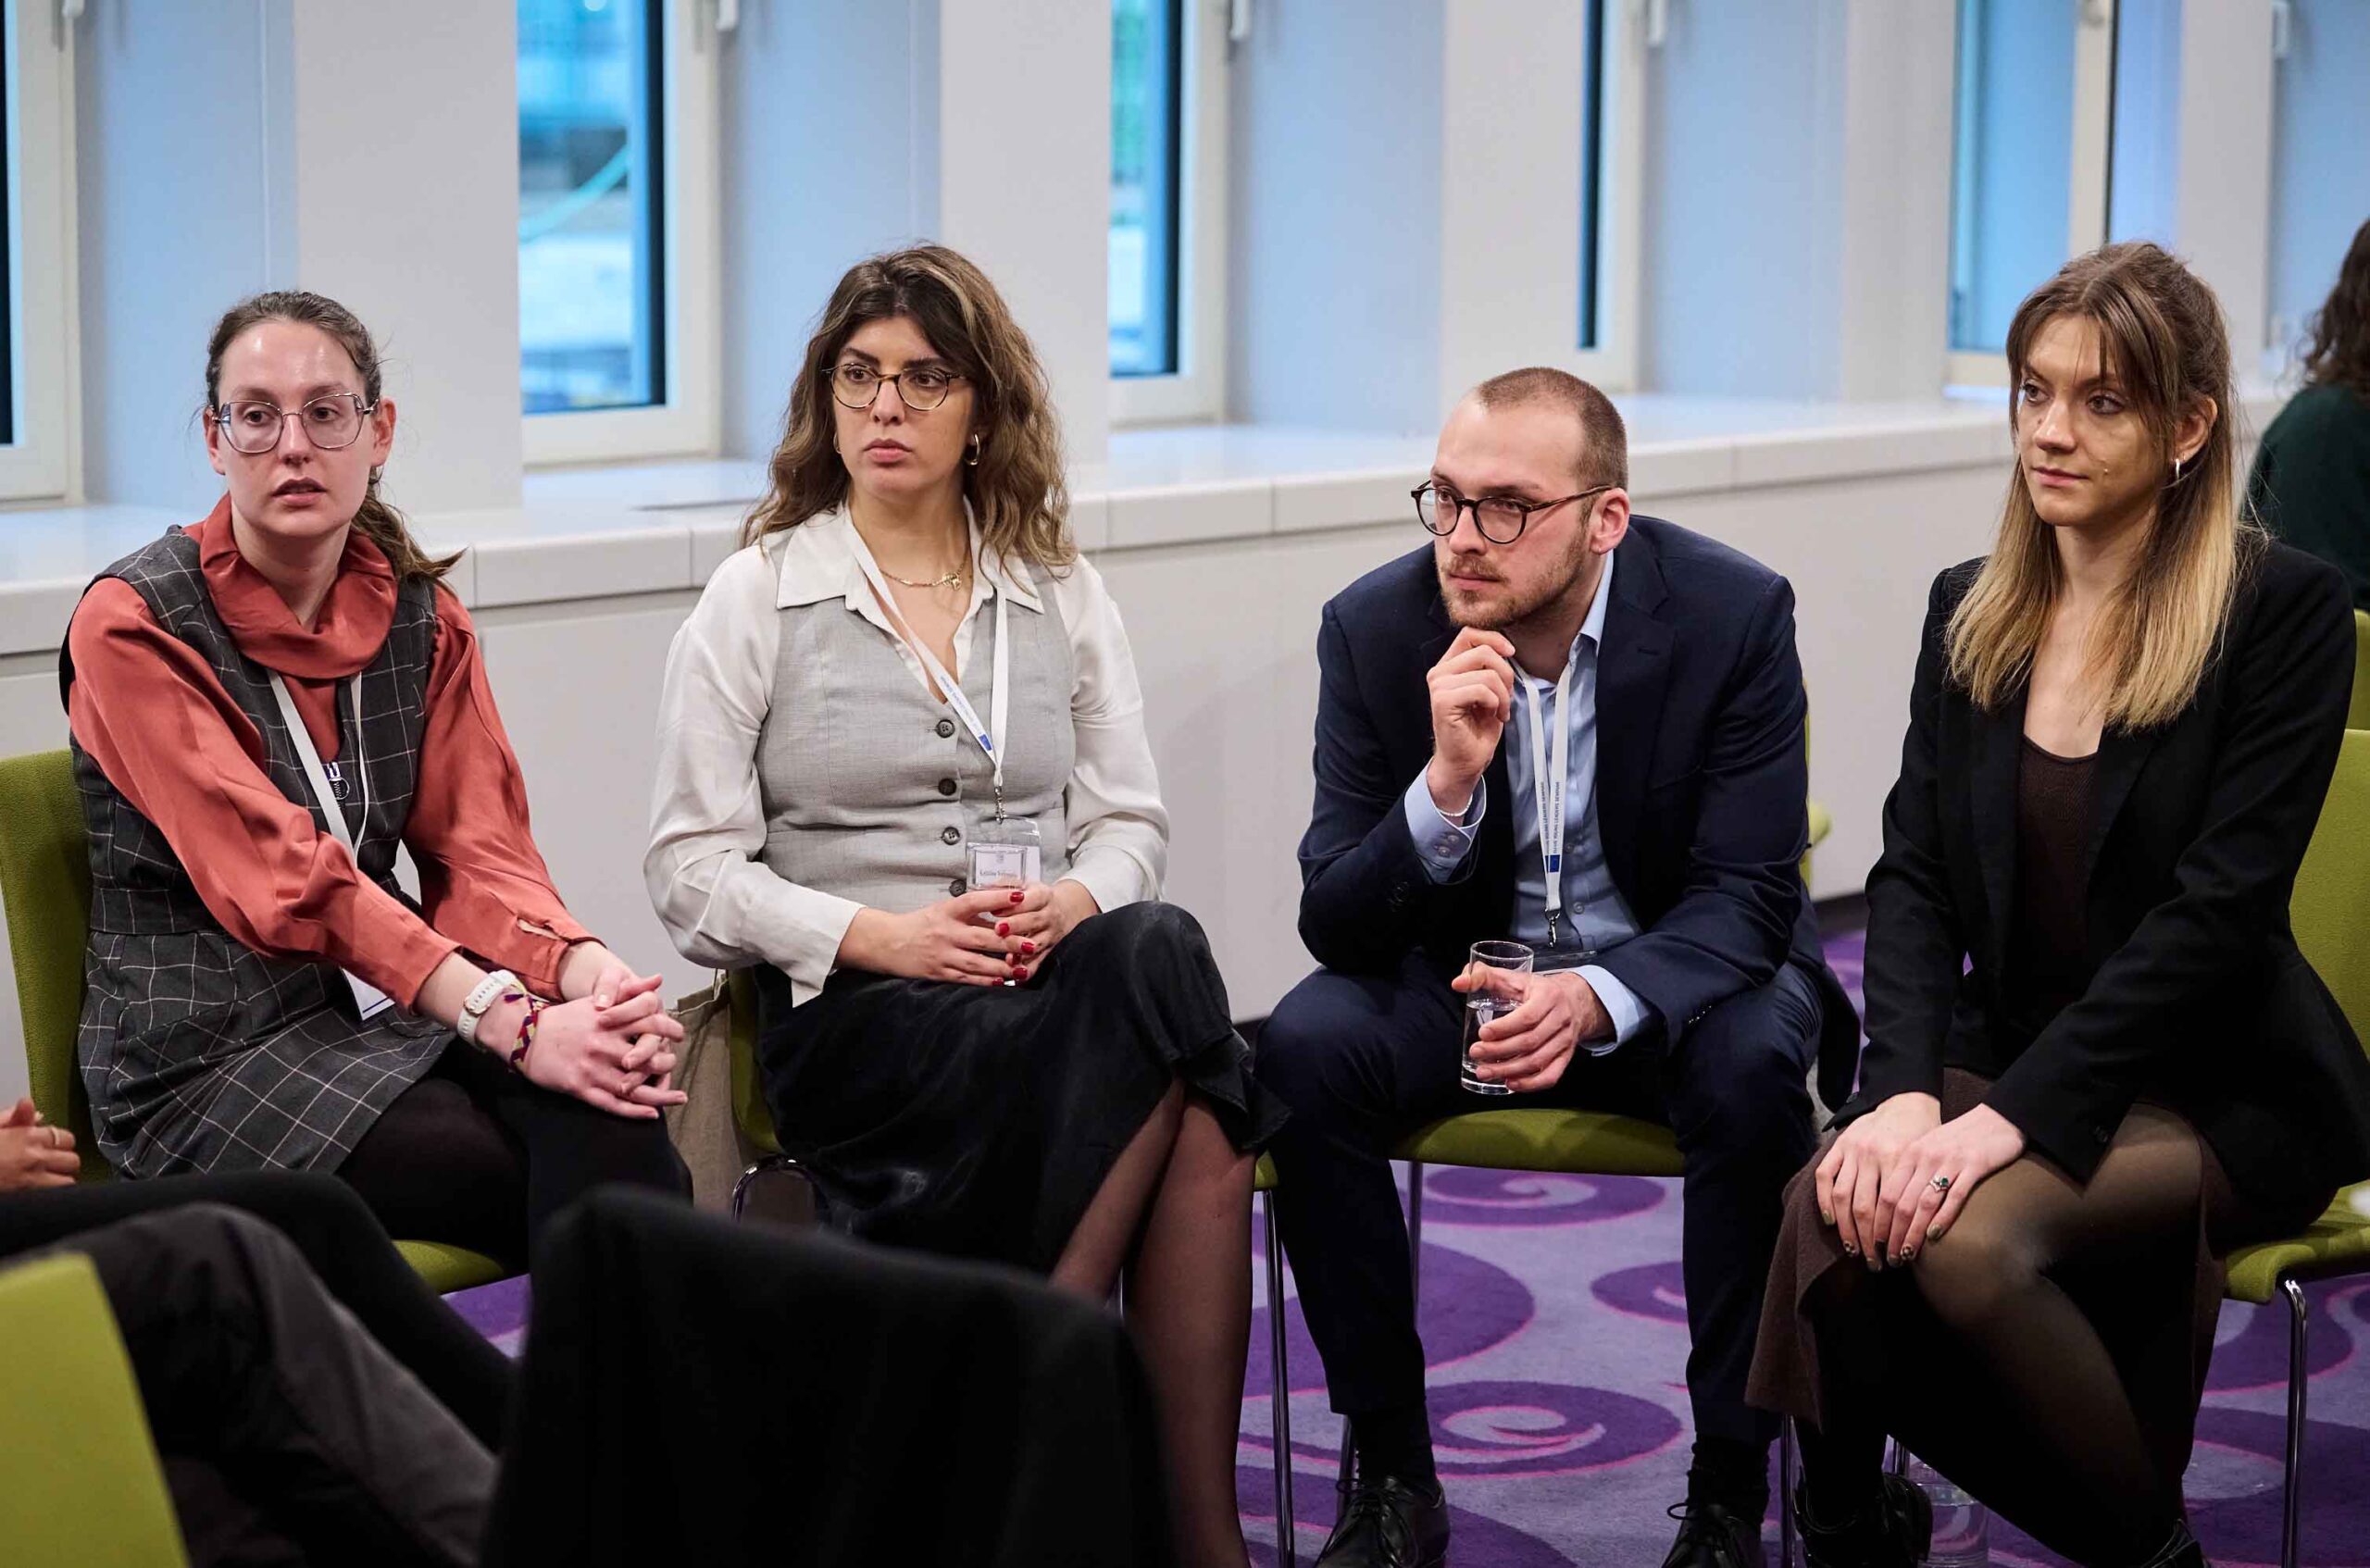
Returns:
(998,697)
(318,775)
(369,1000)
(1547,788)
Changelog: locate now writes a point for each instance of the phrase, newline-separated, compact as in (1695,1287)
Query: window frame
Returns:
(2089,188)
(1620,144)
(688,423)
(1196,392)
(38,464)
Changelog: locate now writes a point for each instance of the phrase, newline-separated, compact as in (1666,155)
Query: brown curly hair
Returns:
(378,520)
(1016,488)
(2338,352)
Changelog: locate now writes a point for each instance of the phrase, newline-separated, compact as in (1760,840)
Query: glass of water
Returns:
(1492,965)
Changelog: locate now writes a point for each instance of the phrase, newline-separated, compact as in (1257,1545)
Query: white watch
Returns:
(473,1009)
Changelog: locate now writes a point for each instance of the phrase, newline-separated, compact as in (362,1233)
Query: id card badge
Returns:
(1006,854)
(369,1000)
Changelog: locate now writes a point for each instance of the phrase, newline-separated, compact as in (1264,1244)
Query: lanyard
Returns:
(368,997)
(1547,789)
(999,698)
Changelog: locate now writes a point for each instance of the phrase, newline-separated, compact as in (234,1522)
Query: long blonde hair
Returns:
(2163,342)
(1017,488)
(378,520)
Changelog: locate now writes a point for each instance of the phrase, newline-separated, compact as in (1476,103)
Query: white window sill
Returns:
(664,527)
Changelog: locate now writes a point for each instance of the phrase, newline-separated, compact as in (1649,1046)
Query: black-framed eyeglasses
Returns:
(329,422)
(920,387)
(1501,518)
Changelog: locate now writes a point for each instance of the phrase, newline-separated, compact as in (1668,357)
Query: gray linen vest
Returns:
(871,788)
(198,1053)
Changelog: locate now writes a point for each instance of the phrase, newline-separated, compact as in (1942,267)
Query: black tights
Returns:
(2042,1354)
(475,1155)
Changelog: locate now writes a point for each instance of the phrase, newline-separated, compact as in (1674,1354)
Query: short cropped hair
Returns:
(1606,440)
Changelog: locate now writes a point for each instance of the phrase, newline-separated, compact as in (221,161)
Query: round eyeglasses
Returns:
(1501,518)
(920,387)
(329,422)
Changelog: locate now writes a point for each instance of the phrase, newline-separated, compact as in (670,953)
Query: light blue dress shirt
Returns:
(1594,916)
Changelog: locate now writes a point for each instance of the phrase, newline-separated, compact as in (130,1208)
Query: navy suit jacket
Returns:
(1701,785)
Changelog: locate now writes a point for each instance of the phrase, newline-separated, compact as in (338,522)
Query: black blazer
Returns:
(1700,788)
(2201,1000)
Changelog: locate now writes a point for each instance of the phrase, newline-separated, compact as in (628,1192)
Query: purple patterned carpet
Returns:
(1553,1319)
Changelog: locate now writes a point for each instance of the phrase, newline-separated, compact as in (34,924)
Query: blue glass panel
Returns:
(2320,161)
(2012,166)
(590,252)
(1146,153)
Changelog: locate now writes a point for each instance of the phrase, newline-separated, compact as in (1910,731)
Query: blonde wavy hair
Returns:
(1016,488)
(2164,344)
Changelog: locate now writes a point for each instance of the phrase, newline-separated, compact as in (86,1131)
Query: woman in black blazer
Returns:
(2096,1059)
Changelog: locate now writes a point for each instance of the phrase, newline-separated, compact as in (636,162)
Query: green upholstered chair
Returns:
(2357,716)
(81,1482)
(756,1124)
(2330,911)
(45,887)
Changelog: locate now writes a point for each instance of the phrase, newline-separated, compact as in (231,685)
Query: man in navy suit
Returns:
(1550,635)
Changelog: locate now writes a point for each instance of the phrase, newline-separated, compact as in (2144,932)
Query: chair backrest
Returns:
(2358,716)
(81,1482)
(2331,906)
(46,887)
(749,1109)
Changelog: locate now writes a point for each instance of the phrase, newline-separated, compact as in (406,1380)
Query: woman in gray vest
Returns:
(264,707)
(902,773)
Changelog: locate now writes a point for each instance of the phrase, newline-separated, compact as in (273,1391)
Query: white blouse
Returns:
(721,906)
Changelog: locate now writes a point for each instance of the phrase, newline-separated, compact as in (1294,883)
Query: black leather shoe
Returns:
(1894,1532)
(1711,1535)
(1388,1525)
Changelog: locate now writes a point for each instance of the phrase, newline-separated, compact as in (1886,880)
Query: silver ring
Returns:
(1942,1184)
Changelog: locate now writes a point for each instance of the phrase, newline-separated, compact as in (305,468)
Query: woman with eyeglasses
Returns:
(903,777)
(264,708)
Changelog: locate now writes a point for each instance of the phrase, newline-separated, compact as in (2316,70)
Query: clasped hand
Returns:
(1896,1179)
(611,1048)
(1529,1048)
(33,1153)
(977,939)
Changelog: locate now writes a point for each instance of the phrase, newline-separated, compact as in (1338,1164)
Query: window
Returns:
(2320,182)
(2030,182)
(36,404)
(1166,280)
(615,219)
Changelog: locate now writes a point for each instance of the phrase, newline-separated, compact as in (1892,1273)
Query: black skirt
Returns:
(979,1121)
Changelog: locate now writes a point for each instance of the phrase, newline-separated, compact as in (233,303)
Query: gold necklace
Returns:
(949,580)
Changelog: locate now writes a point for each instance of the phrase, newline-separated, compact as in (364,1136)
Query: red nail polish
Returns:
(1016,895)
(1003,928)
(1028,946)
(1019,973)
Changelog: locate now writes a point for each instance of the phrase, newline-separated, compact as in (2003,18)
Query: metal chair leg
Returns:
(1279,1384)
(2290,1533)
(1789,1469)
(748,1179)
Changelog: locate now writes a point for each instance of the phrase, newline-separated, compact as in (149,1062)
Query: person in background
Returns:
(2096,1059)
(264,708)
(2311,484)
(1547,645)
(905,685)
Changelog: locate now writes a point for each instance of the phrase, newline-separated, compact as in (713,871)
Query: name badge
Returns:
(369,1000)
(1006,854)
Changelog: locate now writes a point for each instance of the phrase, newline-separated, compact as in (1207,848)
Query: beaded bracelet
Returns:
(526,1027)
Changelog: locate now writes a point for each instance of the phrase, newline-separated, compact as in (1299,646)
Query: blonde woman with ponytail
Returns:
(2096,1059)
(261,991)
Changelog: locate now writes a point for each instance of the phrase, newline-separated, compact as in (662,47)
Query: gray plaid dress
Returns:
(200,1053)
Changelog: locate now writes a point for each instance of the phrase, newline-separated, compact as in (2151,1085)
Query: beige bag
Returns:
(702,1127)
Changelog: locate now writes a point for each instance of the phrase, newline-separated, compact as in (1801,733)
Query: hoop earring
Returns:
(2176,471)
(973,461)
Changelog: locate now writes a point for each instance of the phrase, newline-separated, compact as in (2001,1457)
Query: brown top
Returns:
(2049,943)
(149,710)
